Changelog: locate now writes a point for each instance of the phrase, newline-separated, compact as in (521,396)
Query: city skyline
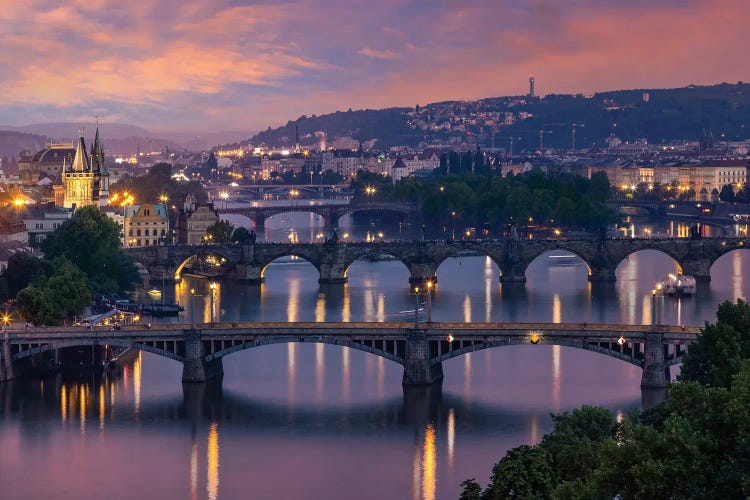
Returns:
(204,66)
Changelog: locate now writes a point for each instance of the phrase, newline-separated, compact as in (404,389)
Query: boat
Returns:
(678,284)
(408,312)
(563,260)
(162,309)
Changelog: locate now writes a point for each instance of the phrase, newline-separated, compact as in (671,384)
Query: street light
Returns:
(416,307)
(370,192)
(213,293)
(192,308)
(224,195)
(429,301)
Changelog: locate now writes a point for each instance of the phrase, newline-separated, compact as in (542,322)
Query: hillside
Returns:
(11,145)
(658,115)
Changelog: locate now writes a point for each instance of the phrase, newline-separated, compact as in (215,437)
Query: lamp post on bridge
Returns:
(213,293)
(192,309)
(656,295)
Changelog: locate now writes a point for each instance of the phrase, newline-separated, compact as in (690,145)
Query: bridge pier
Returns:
(422,272)
(654,367)
(602,275)
(333,266)
(698,269)
(195,368)
(513,274)
(248,273)
(418,369)
(6,362)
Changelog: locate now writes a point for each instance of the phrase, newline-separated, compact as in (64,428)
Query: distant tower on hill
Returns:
(531,86)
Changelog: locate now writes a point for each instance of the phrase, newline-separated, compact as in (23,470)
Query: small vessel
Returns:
(408,312)
(678,284)
(162,309)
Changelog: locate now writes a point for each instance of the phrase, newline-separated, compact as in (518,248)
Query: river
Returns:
(319,421)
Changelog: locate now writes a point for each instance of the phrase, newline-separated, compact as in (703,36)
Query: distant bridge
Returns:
(420,348)
(330,212)
(422,258)
(280,190)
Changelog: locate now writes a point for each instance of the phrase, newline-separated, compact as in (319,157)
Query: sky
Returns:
(213,65)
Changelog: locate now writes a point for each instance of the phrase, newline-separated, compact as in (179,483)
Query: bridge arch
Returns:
(203,251)
(577,256)
(732,257)
(389,349)
(166,353)
(542,341)
(624,258)
(306,258)
(375,256)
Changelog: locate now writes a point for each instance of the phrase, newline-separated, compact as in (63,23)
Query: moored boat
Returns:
(678,284)
(162,309)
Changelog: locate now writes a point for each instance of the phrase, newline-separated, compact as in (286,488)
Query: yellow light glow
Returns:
(534,338)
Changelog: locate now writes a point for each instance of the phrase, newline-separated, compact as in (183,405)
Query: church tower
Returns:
(101,176)
(80,182)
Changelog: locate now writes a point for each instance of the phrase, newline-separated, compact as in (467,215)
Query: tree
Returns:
(23,268)
(220,232)
(51,300)
(240,235)
(524,472)
(717,355)
(470,490)
(727,193)
(212,162)
(91,241)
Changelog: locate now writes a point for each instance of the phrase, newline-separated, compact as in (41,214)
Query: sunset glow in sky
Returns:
(208,65)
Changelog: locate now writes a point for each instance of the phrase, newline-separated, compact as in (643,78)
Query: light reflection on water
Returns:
(314,409)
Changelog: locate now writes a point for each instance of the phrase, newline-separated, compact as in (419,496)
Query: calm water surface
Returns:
(315,421)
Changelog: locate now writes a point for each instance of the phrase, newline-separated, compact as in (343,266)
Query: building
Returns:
(194,220)
(45,163)
(12,227)
(146,225)
(85,181)
(41,220)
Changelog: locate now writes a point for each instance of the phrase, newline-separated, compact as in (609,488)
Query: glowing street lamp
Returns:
(163,198)
(213,286)
(429,301)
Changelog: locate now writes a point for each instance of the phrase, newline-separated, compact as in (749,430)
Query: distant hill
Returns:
(658,115)
(11,145)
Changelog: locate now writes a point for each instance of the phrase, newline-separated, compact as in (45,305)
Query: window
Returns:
(154,243)
(163,232)
(40,225)
(137,243)
(146,233)
(138,233)
(145,242)
(130,233)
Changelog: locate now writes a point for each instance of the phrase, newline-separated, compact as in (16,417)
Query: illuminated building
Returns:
(145,225)
(85,181)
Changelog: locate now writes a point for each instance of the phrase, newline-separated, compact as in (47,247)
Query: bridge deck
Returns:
(387,329)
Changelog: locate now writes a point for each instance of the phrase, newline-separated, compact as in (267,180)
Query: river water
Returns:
(315,421)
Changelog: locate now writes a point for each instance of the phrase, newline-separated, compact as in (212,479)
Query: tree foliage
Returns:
(157,182)
(220,232)
(91,241)
(50,300)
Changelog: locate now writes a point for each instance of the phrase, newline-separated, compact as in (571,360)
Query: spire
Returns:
(81,160)
(97,151)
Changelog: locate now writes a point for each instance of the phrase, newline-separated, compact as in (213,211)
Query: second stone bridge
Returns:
(422,258)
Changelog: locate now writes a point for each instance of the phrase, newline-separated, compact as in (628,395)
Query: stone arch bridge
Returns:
(422,258)
(330,212)
(421,349)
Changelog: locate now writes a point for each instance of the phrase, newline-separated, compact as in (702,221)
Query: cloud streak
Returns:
(200,65)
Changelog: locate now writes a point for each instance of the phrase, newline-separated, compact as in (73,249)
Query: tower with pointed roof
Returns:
(101,186)
(80,182)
